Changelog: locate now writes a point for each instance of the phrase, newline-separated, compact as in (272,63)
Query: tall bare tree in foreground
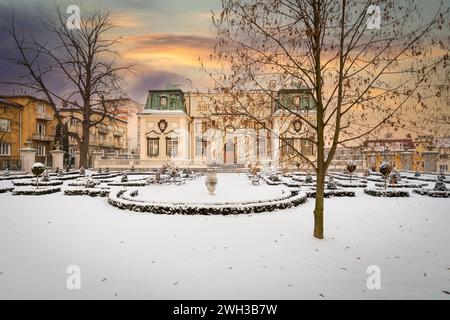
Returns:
(361,76)
(83,59)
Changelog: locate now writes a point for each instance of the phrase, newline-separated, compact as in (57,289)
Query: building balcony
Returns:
(43,137)
(44,116)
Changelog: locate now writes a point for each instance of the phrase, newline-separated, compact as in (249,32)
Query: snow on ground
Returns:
(230,188)
(263,256)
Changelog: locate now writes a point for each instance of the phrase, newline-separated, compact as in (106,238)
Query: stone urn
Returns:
(211,180)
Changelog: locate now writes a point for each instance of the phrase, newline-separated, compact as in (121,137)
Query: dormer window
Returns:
(163,101)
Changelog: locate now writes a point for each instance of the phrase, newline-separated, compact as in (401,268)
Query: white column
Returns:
(184,135)
(77,159)
(57,159)
(27,158)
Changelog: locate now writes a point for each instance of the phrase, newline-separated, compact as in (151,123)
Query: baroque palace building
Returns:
(198,130)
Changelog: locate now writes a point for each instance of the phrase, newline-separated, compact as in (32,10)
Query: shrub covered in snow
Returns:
(309,179)
(45,176)
(332,193)
(92,192)
(433,193)
(386,193)
(331,185)
(440,186)
(6,189)
(82,171)
(124,177)
(35,192)
(89,182)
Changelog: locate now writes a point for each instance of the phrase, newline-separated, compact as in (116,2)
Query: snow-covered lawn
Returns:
(232,188)
(262,256)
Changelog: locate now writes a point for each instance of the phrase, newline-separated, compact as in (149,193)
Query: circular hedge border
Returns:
(115,199)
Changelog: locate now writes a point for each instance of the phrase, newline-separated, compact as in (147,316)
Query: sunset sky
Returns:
(164,39)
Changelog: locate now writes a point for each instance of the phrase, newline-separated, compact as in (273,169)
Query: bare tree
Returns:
(361,76)
(83,58)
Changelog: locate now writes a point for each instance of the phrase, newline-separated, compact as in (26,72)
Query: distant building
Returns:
(443,147)
(25,121)
(107,139)
(404,154)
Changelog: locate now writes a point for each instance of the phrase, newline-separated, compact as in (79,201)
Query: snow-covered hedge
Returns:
(116,200)
(433,193)
(68,177)
(386,193)
(34,183)
(129,184)
(16,177)
(401,185)
(35,192)
(352,185)
(93,192)
(6,189)
(332,193)
(81,183)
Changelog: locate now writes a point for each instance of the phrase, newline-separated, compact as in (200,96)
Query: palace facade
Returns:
(189,129)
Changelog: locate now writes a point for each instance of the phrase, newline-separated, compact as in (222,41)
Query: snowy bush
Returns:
(433,193)
(440,186)
(89,183)
(332,193)
(386,193)
(82,172)
(309,179)
(34,191)
(6,189)
(45,176)
(124,177)
(331,184)
(87,191)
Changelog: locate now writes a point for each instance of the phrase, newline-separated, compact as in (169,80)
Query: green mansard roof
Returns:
(165,100)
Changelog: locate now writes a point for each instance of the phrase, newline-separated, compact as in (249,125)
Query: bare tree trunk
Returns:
(84,147)
(320,187)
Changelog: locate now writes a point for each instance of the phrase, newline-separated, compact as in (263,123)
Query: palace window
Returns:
(153,147)
(287,146)
(171,147)
(200,147)
(163,102)
(5,149)
(5,125)
(41,151)
(307,147)
(306,104)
